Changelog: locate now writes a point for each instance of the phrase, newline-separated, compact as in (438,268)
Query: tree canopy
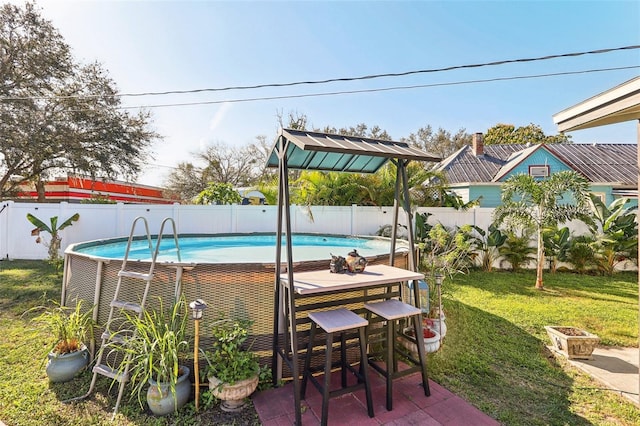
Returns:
(530,134)
(441,143)
(222,164)
(57,115)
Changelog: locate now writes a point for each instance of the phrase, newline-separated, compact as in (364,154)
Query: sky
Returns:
(159,46)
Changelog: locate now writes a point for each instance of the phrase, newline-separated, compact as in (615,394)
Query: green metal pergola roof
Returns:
(328,152)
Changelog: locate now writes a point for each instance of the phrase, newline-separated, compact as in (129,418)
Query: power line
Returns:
(382,89)
(342,79)
(399,74)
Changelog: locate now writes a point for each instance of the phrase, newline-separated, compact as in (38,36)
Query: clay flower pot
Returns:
(233,396)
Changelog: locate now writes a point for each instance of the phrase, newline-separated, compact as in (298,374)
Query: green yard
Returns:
(494,354)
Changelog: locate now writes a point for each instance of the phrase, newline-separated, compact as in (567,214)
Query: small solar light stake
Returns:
(197,308)
(439,278)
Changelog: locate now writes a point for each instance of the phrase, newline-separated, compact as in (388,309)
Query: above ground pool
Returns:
(233,273)
(234,248)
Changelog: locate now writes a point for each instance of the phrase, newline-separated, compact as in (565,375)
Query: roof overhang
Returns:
(328,152)
(621,103)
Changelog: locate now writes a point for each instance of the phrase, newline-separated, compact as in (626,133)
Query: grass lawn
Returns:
(494,355)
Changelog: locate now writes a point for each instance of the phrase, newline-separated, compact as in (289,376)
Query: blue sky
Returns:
(155,46)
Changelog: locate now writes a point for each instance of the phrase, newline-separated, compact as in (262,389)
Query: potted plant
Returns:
(233,372)
(71,328)
(153,347)
(431,340)
(571,341)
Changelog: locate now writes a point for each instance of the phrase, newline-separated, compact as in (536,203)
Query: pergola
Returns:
(616,105)
(303,150)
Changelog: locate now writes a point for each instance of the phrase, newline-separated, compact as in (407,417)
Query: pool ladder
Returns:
(111,337)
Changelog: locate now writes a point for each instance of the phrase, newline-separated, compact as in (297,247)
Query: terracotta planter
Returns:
(233,396)
(572,342)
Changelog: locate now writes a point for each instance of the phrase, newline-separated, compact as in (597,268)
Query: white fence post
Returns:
(5,212)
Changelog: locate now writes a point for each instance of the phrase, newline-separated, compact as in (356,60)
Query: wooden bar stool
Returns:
(392,310)
(337,321)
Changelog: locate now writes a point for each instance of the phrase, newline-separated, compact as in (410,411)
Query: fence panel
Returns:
(99,221)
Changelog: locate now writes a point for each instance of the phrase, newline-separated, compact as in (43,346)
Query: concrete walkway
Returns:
(615,368)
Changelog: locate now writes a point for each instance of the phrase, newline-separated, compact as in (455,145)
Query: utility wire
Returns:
(343,79)
(382,89)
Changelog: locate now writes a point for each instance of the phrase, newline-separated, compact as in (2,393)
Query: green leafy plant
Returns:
(446,251)
(517,249)
(70,326)
(228,361)
(580,253)
(557,242)
(488,244)
(616,233)
(53,229)
(154,345)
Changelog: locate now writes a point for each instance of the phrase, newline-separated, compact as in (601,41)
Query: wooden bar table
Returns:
(322,290)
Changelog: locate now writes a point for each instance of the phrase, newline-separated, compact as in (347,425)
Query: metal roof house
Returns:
(478,170)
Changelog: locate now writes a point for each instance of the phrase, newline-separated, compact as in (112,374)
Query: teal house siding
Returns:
(491,195)
(603,189)
(540,157)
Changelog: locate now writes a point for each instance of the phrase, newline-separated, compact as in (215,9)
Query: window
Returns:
(539,171)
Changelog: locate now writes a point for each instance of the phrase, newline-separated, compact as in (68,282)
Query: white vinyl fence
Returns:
(100,221)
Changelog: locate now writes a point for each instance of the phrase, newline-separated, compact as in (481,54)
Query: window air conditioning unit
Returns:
(539,171)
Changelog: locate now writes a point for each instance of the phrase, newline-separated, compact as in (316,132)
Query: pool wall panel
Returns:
(243,291)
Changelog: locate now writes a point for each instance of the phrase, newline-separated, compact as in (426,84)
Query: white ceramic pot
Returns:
(439,325)
(431,344)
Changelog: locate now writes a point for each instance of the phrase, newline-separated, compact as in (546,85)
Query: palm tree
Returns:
(527,201)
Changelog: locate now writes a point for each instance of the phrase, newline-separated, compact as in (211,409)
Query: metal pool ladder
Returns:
(112,337)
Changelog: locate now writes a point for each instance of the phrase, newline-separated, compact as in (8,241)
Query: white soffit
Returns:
(621,103)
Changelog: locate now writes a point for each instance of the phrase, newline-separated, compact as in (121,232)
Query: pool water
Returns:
(246,248)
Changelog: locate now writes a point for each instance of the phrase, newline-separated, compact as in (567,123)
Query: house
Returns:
(478,170)
(251,196)
(76,189)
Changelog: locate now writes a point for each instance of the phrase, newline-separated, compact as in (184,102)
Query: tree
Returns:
(529,202)
(186,181)
(361,130)
(220,164)
(530,134)
(441,143)
(57,115)
(218,193)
